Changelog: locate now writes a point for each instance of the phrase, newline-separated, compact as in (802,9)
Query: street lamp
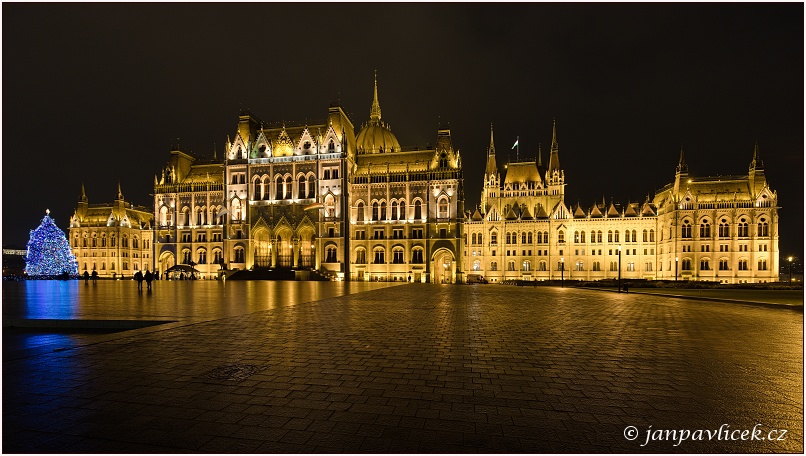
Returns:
(790,270)
(619,269)
(562,272)
(676,259)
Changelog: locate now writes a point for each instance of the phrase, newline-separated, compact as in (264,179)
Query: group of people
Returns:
(139,277)
(87,277)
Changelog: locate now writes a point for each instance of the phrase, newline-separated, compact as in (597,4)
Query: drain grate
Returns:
(233,372)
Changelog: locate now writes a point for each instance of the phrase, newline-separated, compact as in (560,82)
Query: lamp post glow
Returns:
(676,259)
(790,270)
(562,272)
(619,269)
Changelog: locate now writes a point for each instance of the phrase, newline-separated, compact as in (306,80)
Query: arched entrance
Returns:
(166,260)
(443,266)
(262,245)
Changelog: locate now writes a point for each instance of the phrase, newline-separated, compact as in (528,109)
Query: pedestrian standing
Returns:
(138,276)
(149,277)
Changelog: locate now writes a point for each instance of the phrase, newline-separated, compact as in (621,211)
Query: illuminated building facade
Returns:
(114,240)
(721,229)
(406,207)
(285,194)
(188,214)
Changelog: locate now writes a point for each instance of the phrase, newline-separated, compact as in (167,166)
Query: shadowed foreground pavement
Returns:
(422,368)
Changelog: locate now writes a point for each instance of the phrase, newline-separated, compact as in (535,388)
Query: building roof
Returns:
(522,172)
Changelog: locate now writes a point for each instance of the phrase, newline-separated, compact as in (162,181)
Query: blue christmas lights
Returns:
(49,254)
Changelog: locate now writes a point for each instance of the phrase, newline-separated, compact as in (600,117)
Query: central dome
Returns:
(376,137)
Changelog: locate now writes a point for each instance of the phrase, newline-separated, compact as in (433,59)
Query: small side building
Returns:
(113,239)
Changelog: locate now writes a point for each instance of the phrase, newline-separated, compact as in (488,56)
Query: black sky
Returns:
(95,93)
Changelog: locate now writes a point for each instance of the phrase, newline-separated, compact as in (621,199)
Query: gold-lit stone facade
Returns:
(722,229)
(359,206)
(115,240)
(285,194)
(189,223)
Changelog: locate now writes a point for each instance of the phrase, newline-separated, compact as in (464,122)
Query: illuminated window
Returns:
(330,206)
(443,208)
(311,186)
(763,228)
(330,254)
(397,255)
(360,256)
(685,229)
(705,229)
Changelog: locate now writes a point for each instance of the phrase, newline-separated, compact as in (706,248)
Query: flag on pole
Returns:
(516,143)
(314,206)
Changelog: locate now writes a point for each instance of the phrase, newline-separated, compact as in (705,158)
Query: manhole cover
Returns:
(233,372)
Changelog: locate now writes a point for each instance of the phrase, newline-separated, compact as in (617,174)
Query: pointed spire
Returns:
(215,156)
(554,158)
(492,166)
(120,194)
(757,163)
(682,167)
(83,193)
(554,145)
(375,111)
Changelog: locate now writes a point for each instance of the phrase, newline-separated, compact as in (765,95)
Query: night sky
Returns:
(97,93)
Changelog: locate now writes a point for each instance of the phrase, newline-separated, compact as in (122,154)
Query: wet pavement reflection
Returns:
(265,367)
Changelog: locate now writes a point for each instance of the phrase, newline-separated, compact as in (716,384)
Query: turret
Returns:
(681,173)
(554,159)
(555,177)
(83,204)
(757,179)
(492,166)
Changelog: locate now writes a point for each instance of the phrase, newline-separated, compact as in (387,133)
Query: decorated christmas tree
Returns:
(49,252)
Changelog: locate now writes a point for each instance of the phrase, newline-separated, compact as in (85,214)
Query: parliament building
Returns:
(321,199)
(722,229)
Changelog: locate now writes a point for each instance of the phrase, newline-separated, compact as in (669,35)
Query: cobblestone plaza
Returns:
(405,368)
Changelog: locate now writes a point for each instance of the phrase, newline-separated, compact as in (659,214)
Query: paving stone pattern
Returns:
(423,368)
